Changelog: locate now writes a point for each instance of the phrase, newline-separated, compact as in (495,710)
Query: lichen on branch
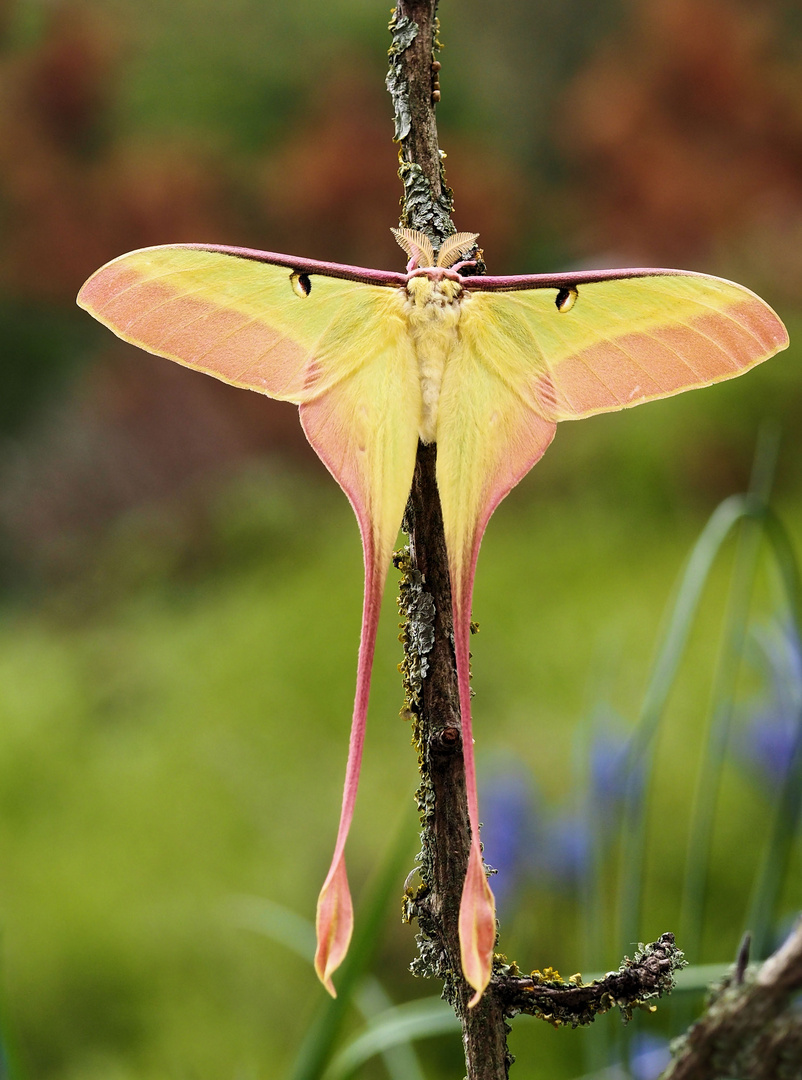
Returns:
(637,983)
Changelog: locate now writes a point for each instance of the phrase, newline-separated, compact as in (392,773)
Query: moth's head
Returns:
(421,253)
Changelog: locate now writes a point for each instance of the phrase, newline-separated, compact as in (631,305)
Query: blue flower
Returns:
(568,849)
(771,731)
(611,772)
(649,1056)
(509,833)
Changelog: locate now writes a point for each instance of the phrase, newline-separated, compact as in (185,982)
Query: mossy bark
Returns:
(430,667)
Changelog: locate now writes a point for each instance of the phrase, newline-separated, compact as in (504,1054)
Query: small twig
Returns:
(648,975)
(742,959)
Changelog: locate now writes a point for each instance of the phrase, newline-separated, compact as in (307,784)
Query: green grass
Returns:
(173,731)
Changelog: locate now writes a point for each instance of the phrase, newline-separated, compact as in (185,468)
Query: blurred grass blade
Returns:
(399,1058)
(317,1046)
(277,922)
(286,927)
(722,697)
(776,857)
(698,977)
(674,640)
(782,548)
(354,987)
(688,595)
(787,809)
(402,1024)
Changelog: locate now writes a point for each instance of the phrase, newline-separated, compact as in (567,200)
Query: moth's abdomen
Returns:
(433,312)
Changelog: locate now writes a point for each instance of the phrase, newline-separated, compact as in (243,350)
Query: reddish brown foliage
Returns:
(75,194)
(688,132)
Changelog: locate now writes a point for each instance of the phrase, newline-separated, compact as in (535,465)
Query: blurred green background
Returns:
(180,580)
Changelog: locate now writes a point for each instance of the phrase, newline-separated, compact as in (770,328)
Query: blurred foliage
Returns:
(659,131)
(182,581)
(164,723)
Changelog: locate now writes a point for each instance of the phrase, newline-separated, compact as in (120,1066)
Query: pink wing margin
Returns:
(111,295)
(172,301)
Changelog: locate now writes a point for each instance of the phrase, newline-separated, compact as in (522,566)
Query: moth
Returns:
(485,367)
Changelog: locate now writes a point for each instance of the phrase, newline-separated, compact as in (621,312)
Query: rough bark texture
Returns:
(636,985)
(750,1029)
(432,699)
(430,668)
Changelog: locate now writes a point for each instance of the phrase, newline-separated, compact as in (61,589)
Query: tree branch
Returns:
(429,664)
(429,668)
(648,975)
(750,1028)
